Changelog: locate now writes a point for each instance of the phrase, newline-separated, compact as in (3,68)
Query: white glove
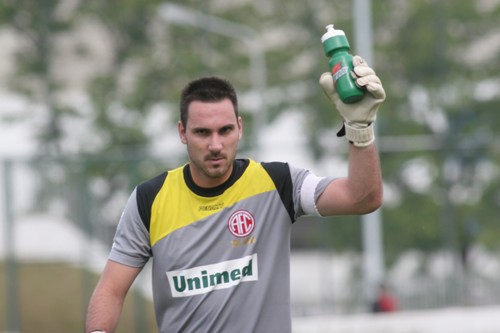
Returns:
(358,117)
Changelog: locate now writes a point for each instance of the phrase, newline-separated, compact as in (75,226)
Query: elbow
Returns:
(371,202)
(374,205)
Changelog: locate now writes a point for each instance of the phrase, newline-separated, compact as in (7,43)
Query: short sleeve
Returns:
(131,244)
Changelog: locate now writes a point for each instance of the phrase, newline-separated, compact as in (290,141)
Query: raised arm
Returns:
(361,191)
(107,300)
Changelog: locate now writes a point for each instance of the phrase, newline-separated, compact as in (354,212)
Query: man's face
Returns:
(211,134)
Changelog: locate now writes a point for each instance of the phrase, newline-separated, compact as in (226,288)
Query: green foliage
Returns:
(435,48)
(434,58)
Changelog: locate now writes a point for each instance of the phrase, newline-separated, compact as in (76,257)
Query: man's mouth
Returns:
(215,159)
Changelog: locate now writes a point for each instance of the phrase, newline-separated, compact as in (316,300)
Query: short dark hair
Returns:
(206,89)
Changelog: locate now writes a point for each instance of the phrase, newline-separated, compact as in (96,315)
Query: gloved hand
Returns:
(358,117)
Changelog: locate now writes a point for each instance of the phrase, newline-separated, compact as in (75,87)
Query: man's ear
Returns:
(182,132)
(240,127)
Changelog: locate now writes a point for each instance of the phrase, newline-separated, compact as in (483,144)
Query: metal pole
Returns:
(373,261)
(11,278)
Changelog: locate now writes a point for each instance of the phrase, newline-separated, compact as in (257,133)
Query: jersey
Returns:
(220,255)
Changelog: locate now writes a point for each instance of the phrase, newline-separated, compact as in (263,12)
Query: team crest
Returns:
(241,223)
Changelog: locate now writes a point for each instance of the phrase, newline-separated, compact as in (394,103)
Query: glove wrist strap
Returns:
(360,137)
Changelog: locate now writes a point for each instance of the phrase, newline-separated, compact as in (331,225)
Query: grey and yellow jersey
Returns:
(220,255)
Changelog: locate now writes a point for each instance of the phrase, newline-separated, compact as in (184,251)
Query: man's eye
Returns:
(201,132)
(226,130)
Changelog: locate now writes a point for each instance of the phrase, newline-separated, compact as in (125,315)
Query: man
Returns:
(218,228)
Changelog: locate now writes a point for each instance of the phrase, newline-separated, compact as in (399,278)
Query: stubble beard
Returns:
(214,172)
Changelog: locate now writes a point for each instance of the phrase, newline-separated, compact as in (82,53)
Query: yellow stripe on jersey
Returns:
(176,206)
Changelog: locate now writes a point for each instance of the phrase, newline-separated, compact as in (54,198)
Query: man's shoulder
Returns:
(276,165)
(146,193)
(277,169)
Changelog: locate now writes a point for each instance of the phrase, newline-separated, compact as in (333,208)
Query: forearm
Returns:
(107,300)
(103,312)
(364,181)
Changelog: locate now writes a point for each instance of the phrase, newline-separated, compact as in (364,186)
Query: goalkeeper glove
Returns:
(358,117)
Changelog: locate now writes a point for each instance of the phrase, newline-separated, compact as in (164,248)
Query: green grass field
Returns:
(53,298)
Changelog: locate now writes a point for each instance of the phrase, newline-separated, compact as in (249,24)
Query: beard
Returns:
(215,168)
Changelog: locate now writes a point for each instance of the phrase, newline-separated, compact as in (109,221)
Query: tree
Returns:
(437,68)
(436,59)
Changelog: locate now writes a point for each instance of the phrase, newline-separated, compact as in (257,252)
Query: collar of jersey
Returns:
(239,166)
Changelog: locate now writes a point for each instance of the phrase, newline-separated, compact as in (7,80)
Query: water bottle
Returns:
(337,48)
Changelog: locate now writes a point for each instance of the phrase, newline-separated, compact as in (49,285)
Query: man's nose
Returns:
(215,143)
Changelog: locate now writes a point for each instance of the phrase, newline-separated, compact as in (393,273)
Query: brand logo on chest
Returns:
(241,223)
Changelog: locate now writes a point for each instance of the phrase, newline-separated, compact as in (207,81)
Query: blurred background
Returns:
(88,109)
